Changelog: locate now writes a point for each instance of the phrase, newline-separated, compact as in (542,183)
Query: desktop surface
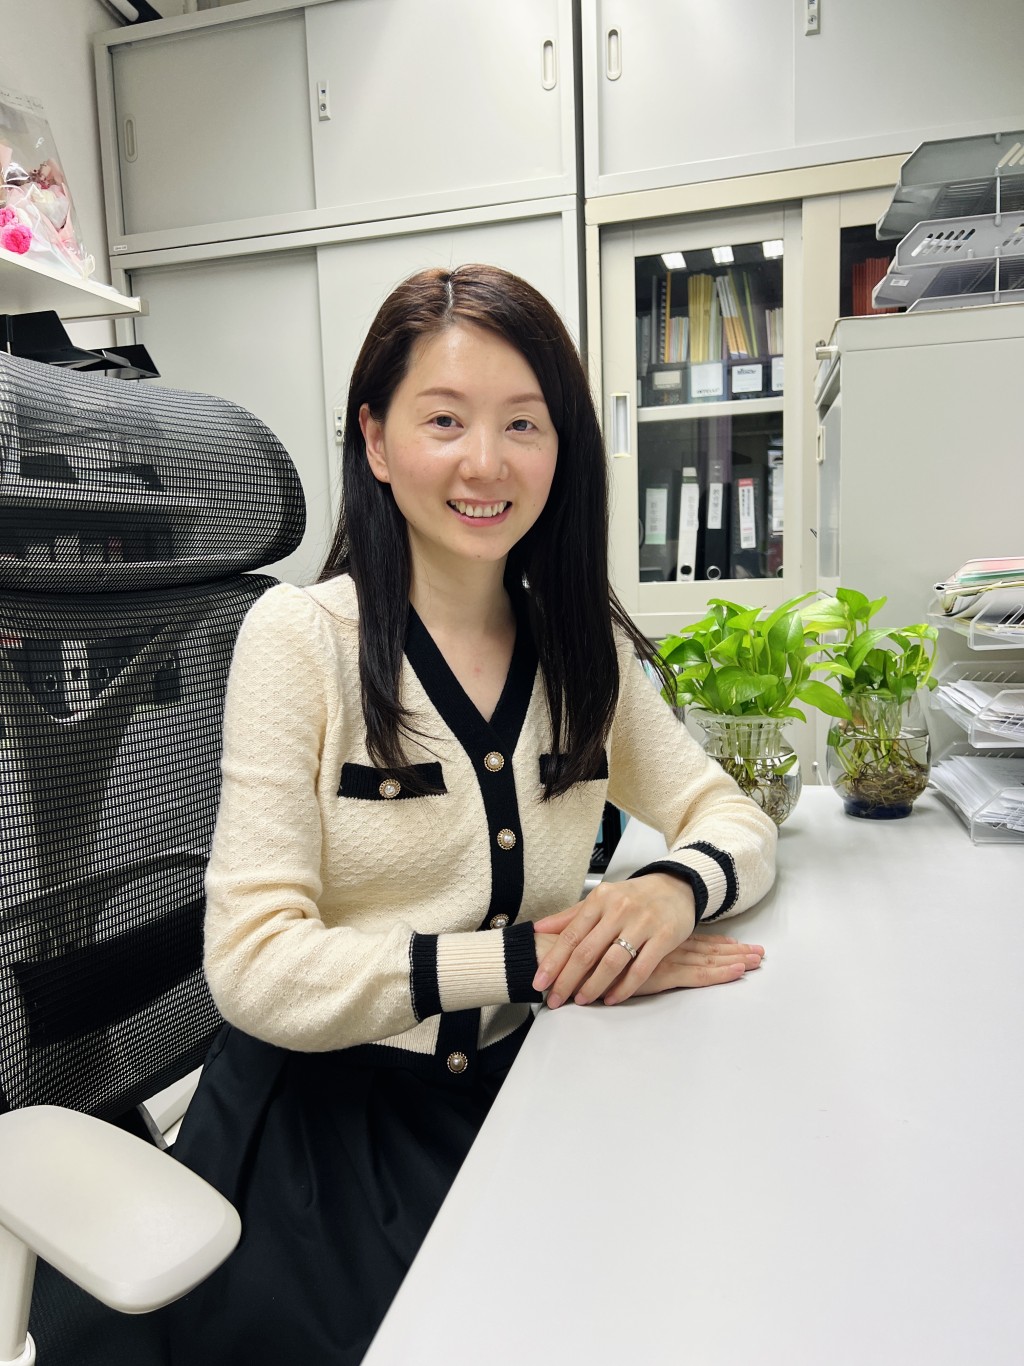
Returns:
(818,1165)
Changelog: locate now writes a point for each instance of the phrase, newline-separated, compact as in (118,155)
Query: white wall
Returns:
(47,52)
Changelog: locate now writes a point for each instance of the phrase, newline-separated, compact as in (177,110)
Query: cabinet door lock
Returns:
(323,101)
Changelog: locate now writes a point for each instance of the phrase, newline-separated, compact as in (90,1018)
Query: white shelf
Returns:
(674,412)
(31,287)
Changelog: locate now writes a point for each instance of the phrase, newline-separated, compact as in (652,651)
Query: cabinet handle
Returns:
(549,65)
(613,54)
(131,149)
(619,432)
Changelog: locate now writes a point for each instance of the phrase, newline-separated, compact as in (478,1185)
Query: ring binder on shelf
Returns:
(747,543)
(689,525)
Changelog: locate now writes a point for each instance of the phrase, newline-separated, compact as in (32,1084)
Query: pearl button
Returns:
(497,922)
(507,839)
(494,761)
(457,1062)
(390,788)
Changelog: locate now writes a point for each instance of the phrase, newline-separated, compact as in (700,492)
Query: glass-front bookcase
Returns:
(863,262)
(694,324)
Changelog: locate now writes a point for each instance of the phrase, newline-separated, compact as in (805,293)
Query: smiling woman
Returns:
(417,753)
(467,442)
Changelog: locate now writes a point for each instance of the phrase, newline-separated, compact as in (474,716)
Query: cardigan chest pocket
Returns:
(369,784)
(551,765)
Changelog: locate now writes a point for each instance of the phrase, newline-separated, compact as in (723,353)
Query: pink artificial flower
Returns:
(7,215)
(16,238)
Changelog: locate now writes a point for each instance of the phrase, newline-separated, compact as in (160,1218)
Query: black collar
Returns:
(447,694)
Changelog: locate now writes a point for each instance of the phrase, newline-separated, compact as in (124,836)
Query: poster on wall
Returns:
(37,216)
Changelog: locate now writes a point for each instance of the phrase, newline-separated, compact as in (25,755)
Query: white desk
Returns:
(820,1165)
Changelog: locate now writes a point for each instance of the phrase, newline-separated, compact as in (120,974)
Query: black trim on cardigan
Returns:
(433,1067)
(364,782)
(459,1032)
(426,994)
(521,962)
(554,764)
(479,738)
(684,874)
(728,867)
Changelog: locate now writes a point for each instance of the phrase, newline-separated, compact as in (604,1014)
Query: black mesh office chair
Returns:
(129,519)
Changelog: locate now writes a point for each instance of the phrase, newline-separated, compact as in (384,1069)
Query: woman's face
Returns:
(467,445)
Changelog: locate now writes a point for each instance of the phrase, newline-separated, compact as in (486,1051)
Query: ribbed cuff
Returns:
(710,872)
(521,962)
(463,971)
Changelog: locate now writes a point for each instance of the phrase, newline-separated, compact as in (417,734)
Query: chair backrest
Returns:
(130,517)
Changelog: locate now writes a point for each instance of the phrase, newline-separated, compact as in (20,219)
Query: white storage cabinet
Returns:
(677,93)
(261,117)
(925,468)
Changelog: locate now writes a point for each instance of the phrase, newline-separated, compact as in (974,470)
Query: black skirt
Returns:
(337,1168)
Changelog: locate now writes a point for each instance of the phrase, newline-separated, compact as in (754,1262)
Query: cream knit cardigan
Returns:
(343,912)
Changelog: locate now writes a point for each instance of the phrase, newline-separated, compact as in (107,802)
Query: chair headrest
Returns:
(108,486)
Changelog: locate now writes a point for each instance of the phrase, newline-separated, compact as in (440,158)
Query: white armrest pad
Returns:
(121,1219)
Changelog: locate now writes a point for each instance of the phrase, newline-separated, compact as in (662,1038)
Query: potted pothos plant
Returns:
(878,744)
(745,672)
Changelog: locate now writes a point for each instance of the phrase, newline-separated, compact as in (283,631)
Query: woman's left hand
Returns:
(582,958)
(654,914)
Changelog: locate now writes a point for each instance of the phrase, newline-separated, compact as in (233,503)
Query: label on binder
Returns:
(715,501)
(747,379)
(748,530)
(777,374)
(666,379)
(688,508)
(776,491)
(656,516)
(706,380)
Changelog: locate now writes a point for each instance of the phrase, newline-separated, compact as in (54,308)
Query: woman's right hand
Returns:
(703,960)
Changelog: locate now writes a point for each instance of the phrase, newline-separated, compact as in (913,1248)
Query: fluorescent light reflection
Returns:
(723,256)
(674,260)
(772,249)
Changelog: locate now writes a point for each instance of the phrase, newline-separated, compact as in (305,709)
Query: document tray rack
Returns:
(994,815)
(950,262)
(954,177)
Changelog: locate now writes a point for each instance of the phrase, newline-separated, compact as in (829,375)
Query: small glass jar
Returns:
(879,760)
(755,751)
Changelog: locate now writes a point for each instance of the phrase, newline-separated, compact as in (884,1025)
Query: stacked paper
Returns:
(990,790)
(996,707)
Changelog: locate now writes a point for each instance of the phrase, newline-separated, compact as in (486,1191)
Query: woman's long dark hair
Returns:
(563,558)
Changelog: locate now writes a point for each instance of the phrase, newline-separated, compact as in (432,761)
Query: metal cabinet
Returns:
(678,93)
(695,317)
(441,106)
(924,469)
(202,136)
(229,124)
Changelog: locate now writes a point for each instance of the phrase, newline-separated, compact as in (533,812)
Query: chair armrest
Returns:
(121,1219)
